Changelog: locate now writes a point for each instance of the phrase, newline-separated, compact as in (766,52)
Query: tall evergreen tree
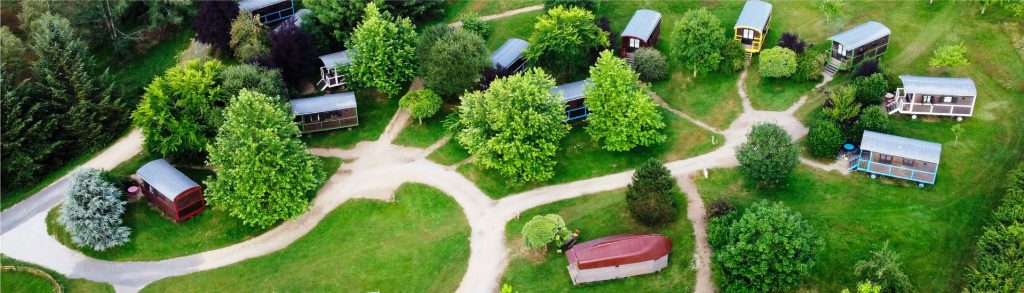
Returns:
(649,196)
(622,115)
(213,23)
(92,212)
(26,128)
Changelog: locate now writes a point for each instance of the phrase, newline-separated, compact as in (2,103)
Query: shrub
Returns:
(720,207)
(425,40)
(1001,245)
(649,197)
(841,105)
(650,64)
(92,211)
(884,268)
(472,22)
(733,57)
(793,42)
(196,51)
(454,64)
(768,248)
(544,229)
(824,138)
(871,89)
(260,79)
(248,37)
(873,118)
(777,62)
(585,4)
(809,66)
(949,56)
(769,156)
(868,67)
(421,103)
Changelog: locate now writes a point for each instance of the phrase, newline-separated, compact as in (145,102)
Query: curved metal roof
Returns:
(755,15)
(901,146)
(323,103)
(939,85)
(250,5)
(336,58)
(509,52)
(618,250)
(642,25)
(861,34)
(165,178)
(571,91)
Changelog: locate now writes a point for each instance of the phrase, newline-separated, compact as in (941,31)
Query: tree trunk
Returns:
(421,120)
(694,72)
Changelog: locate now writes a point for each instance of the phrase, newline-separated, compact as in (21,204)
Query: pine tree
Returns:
(25,129)
(649,197)
(92,212)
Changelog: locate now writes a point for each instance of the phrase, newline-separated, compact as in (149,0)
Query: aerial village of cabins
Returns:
(512,146)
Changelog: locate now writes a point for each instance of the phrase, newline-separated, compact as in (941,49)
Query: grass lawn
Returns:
(449,154)
(155,237)
(598,215)
(418,243)
(25,282)
(456,9)
(516,26)
(773,94)
(374,115)
(710,98)
(423,135)
(579,157)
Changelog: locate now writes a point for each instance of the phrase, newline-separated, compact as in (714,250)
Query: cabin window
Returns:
(841,50)
(926,99)
(634,43)
(748,34)
(908,161)
(885,159)
(947,99)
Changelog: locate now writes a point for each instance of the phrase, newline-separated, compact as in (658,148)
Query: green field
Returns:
(25,282)
(449,154)
(482,7)
(424,135)
(598,215)
(417,243)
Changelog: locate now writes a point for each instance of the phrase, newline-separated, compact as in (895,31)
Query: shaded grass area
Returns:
(418,243)
(449,154)
(423,135)
(598,215)
(22,282)
(579,157)
(517,26)
(773,94)
(710,98)
(374,115)
(482,7)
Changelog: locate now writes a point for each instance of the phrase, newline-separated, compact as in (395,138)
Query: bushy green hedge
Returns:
(1000,266)
(650,64)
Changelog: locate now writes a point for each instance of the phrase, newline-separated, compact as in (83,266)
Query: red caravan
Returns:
(618,256)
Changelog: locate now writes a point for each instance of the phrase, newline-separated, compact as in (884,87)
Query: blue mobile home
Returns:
(898,157)
(572,94)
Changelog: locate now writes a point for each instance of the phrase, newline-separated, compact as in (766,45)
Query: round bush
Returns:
(871,89)
(824,138)
(873,118)
(769,156)
(777,62)
(650,64)
(421,103)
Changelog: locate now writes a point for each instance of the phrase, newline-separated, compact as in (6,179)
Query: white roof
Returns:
(509,52)
(336,58)
(165,178)
(250,5)
(323,103)
(901,146)
(571,91)
(642,25)
(939,85)
(755,15)
(861,34)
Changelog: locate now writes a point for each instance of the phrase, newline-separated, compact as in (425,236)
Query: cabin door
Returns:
(748,36)
(633,45)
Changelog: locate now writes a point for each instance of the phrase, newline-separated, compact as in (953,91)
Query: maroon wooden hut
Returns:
(641,32)
(618,256)
(170,190)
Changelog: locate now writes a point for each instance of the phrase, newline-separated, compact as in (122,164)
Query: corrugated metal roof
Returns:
(571,91)
(336,58)
(509,52)
(165,178)
(939,85)
(323,103)
(642,24)
(618,250)
(861,34)
(250,5)
(901,146)
(755,14)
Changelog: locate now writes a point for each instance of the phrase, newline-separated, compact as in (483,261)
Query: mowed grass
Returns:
(598,215)
(24,282)
(426,134)
(711,98)
(516,26)
(374,114)
(417,243)
(456,9)
(579,157)
(773,94)
(449,154)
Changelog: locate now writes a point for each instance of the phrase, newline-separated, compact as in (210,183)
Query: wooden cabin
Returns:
(617,256)
(752,26)
(938,96)
(329,76)
(326,112)
(898,157)
(510,56)
(269,11)
(573,95)
(170,190)
(641,32)
(866,41)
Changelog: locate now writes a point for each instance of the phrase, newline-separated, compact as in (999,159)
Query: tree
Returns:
(564,36)
(697,40)
(426,39)
(949,56)
(733,57)
(178,113)
(544,229)
(957,130)
(590,5)
(1001,244)
(213,23)
(106,18)
(256,78)
(873,118)
(809,66)
(650,64)
(515,126)
(824,138)
(649,196)
(258,134)
(12,54)
(292,52)
(884,268)
(248,37)
(332,22)
(26,129)
(841,106)
(622,116)
(777,62)
(455,63)
(92,212)
(383,52)
(768,248)
(472,22)
(793,42)
(831,8)
(768,156)
(421,103)
(30,11)
(196,51)
(866,287)
(871,89)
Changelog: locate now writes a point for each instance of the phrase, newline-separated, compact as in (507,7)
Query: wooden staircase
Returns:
(831,69)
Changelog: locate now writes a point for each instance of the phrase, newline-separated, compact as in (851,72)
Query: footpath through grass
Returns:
(24,282)
(773,94)
(423,135)
(456,9)
(374,115)
(417,243)
(598,215)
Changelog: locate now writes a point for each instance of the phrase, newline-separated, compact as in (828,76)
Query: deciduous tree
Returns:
(873,118)
(697,39)
(544,229)
(824,138)
(733,57)
(841,106)
(258,135)
(178,114)
(871,89)
(92,211)
(213,22)
(884,269)
(584,4)
(622,116)
(563,36)
(248,37)
(831,8)
(256,78)
(472,22)
(809,66)
(383,52)
(793,42)
(421,103)
(777,62)
(649,196)
(957,130)
(769,156)
(292,52)
(949,56)
(455,63)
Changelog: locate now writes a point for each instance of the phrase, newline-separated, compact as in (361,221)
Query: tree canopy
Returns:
(515,126)
(777,62)
(544,229)
(213,22)
(563,36)
(949,56)
(824,138)
(178,114)
(260,79)
(841,106)
(649,196)
(383,52)
(248,37)
(622,116)
(768,156)
(92,210)
(292,52)
(421,103)
(258,135)
(455,63)
(650,64)
(697,39)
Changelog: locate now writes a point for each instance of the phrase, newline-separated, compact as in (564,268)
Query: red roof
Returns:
(618,250)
